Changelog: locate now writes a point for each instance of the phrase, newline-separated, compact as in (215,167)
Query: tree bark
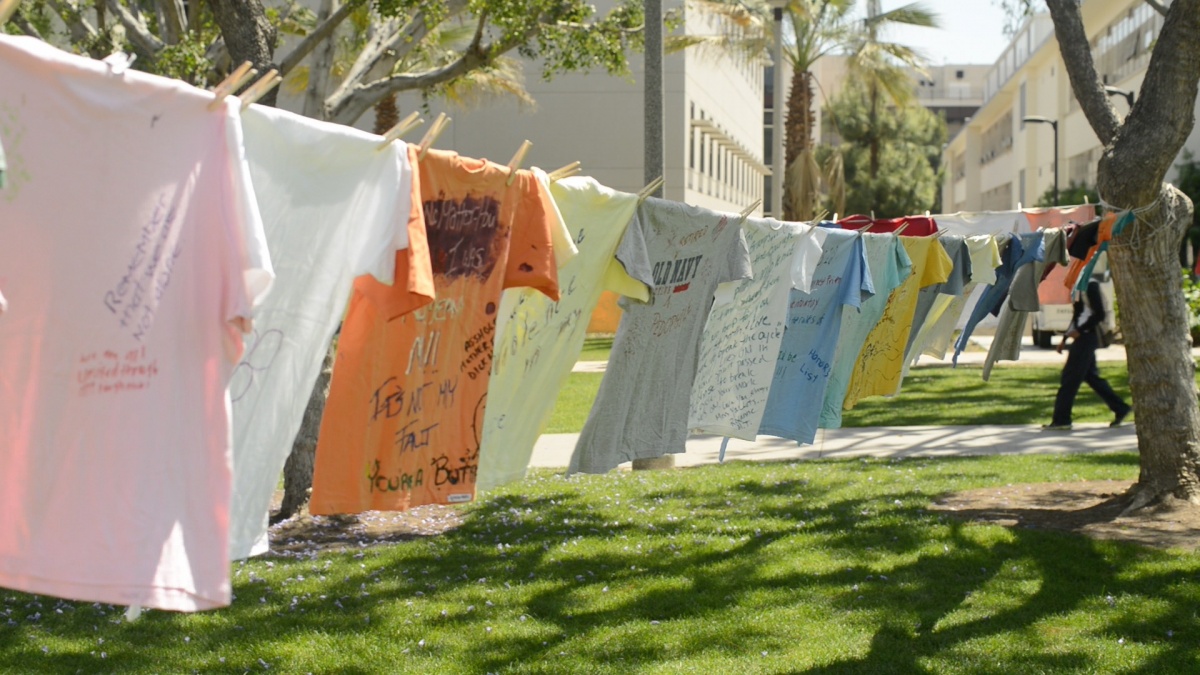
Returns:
(798,138)
(249,36)
(298,470)
(1135,160)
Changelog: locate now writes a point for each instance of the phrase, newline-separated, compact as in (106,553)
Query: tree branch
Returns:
(27,28)
(139,33)
(1077,58)
(1163,116)
(318,35)
(362,97)
(1158,6)
(175,24)
(72,15)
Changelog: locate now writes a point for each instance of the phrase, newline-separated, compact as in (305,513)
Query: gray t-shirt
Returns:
(641,410)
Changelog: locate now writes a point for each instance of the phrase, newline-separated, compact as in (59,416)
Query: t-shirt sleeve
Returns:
(737,262)
(857,284)
(413,288)
(248,268)
(809,248)
(901,263)
(531,248)
(629,272)
(379,249)
(938,265)
(564,244)
(419,272)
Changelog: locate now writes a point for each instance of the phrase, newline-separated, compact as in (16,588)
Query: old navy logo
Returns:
(676,272)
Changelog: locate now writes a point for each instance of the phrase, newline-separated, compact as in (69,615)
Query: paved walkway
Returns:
(554,450)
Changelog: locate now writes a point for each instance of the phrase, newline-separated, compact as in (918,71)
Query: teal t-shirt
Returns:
(890,266)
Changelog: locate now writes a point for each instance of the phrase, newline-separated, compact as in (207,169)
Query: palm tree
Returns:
(884,66)
(819,27)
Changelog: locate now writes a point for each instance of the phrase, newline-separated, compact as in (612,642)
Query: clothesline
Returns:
(180,308)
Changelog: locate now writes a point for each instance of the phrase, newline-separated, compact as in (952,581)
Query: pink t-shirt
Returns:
(133,255)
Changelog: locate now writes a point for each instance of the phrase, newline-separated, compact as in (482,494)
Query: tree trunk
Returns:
(298,471)
(1154,322)
(873,141)
(319,68)
(248,35)
(797,137)
(1136,158)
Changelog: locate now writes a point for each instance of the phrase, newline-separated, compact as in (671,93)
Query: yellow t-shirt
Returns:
(878,369)
(404,418)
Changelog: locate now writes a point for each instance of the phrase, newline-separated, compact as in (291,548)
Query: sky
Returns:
(971,31)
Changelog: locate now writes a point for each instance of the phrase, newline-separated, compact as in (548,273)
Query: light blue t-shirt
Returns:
(810,338)
(889,265)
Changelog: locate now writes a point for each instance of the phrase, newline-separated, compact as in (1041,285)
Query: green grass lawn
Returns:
(801,567)
(596,348)
(931,395)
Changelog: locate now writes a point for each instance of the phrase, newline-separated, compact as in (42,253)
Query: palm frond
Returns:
(912,14)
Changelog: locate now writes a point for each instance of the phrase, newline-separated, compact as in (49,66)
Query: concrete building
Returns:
(997,161)
(713,103)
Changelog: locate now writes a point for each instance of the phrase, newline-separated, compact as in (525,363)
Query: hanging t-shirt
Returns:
(988,222)
(742,336)
(890,266)
(956,248)
(1012,251)
(641,410)
(814,322)
(335,206)
(542,339)
(141,255)
(935,336)
(3,166)
(404,417)
(1006,343)
(880,364)
(909,226)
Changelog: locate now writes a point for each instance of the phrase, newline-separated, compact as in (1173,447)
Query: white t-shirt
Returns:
(334,206)
(741,339)
(141,255)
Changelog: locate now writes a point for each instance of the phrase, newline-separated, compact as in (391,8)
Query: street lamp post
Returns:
(1053,125)
(1127,93)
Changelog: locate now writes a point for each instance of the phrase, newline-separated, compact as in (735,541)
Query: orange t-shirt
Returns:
(1103,234)
(406,404)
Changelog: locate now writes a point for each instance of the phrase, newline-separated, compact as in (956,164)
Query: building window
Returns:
(958,74)
(1021,187)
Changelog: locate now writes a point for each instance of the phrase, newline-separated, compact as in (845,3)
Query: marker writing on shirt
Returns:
(463,237)
(108,372)
(136,295)
(402,481)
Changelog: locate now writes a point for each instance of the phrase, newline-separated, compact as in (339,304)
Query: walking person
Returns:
(1086,334)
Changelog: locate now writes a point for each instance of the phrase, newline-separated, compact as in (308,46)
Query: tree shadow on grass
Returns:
(716,542)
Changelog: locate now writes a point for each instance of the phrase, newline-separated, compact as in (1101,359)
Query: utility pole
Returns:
(653,93)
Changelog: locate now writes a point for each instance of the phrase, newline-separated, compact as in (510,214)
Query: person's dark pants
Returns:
(1080,368)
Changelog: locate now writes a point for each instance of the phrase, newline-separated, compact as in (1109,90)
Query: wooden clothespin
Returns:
(7,9)
(650,189)
(748,210)
(402,127)
(898,230)
(435,130)
(835,216)
(515,162)
(260,88)
(868,226)
(236,79)
(1019,206)
(938,233)
(564,172)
